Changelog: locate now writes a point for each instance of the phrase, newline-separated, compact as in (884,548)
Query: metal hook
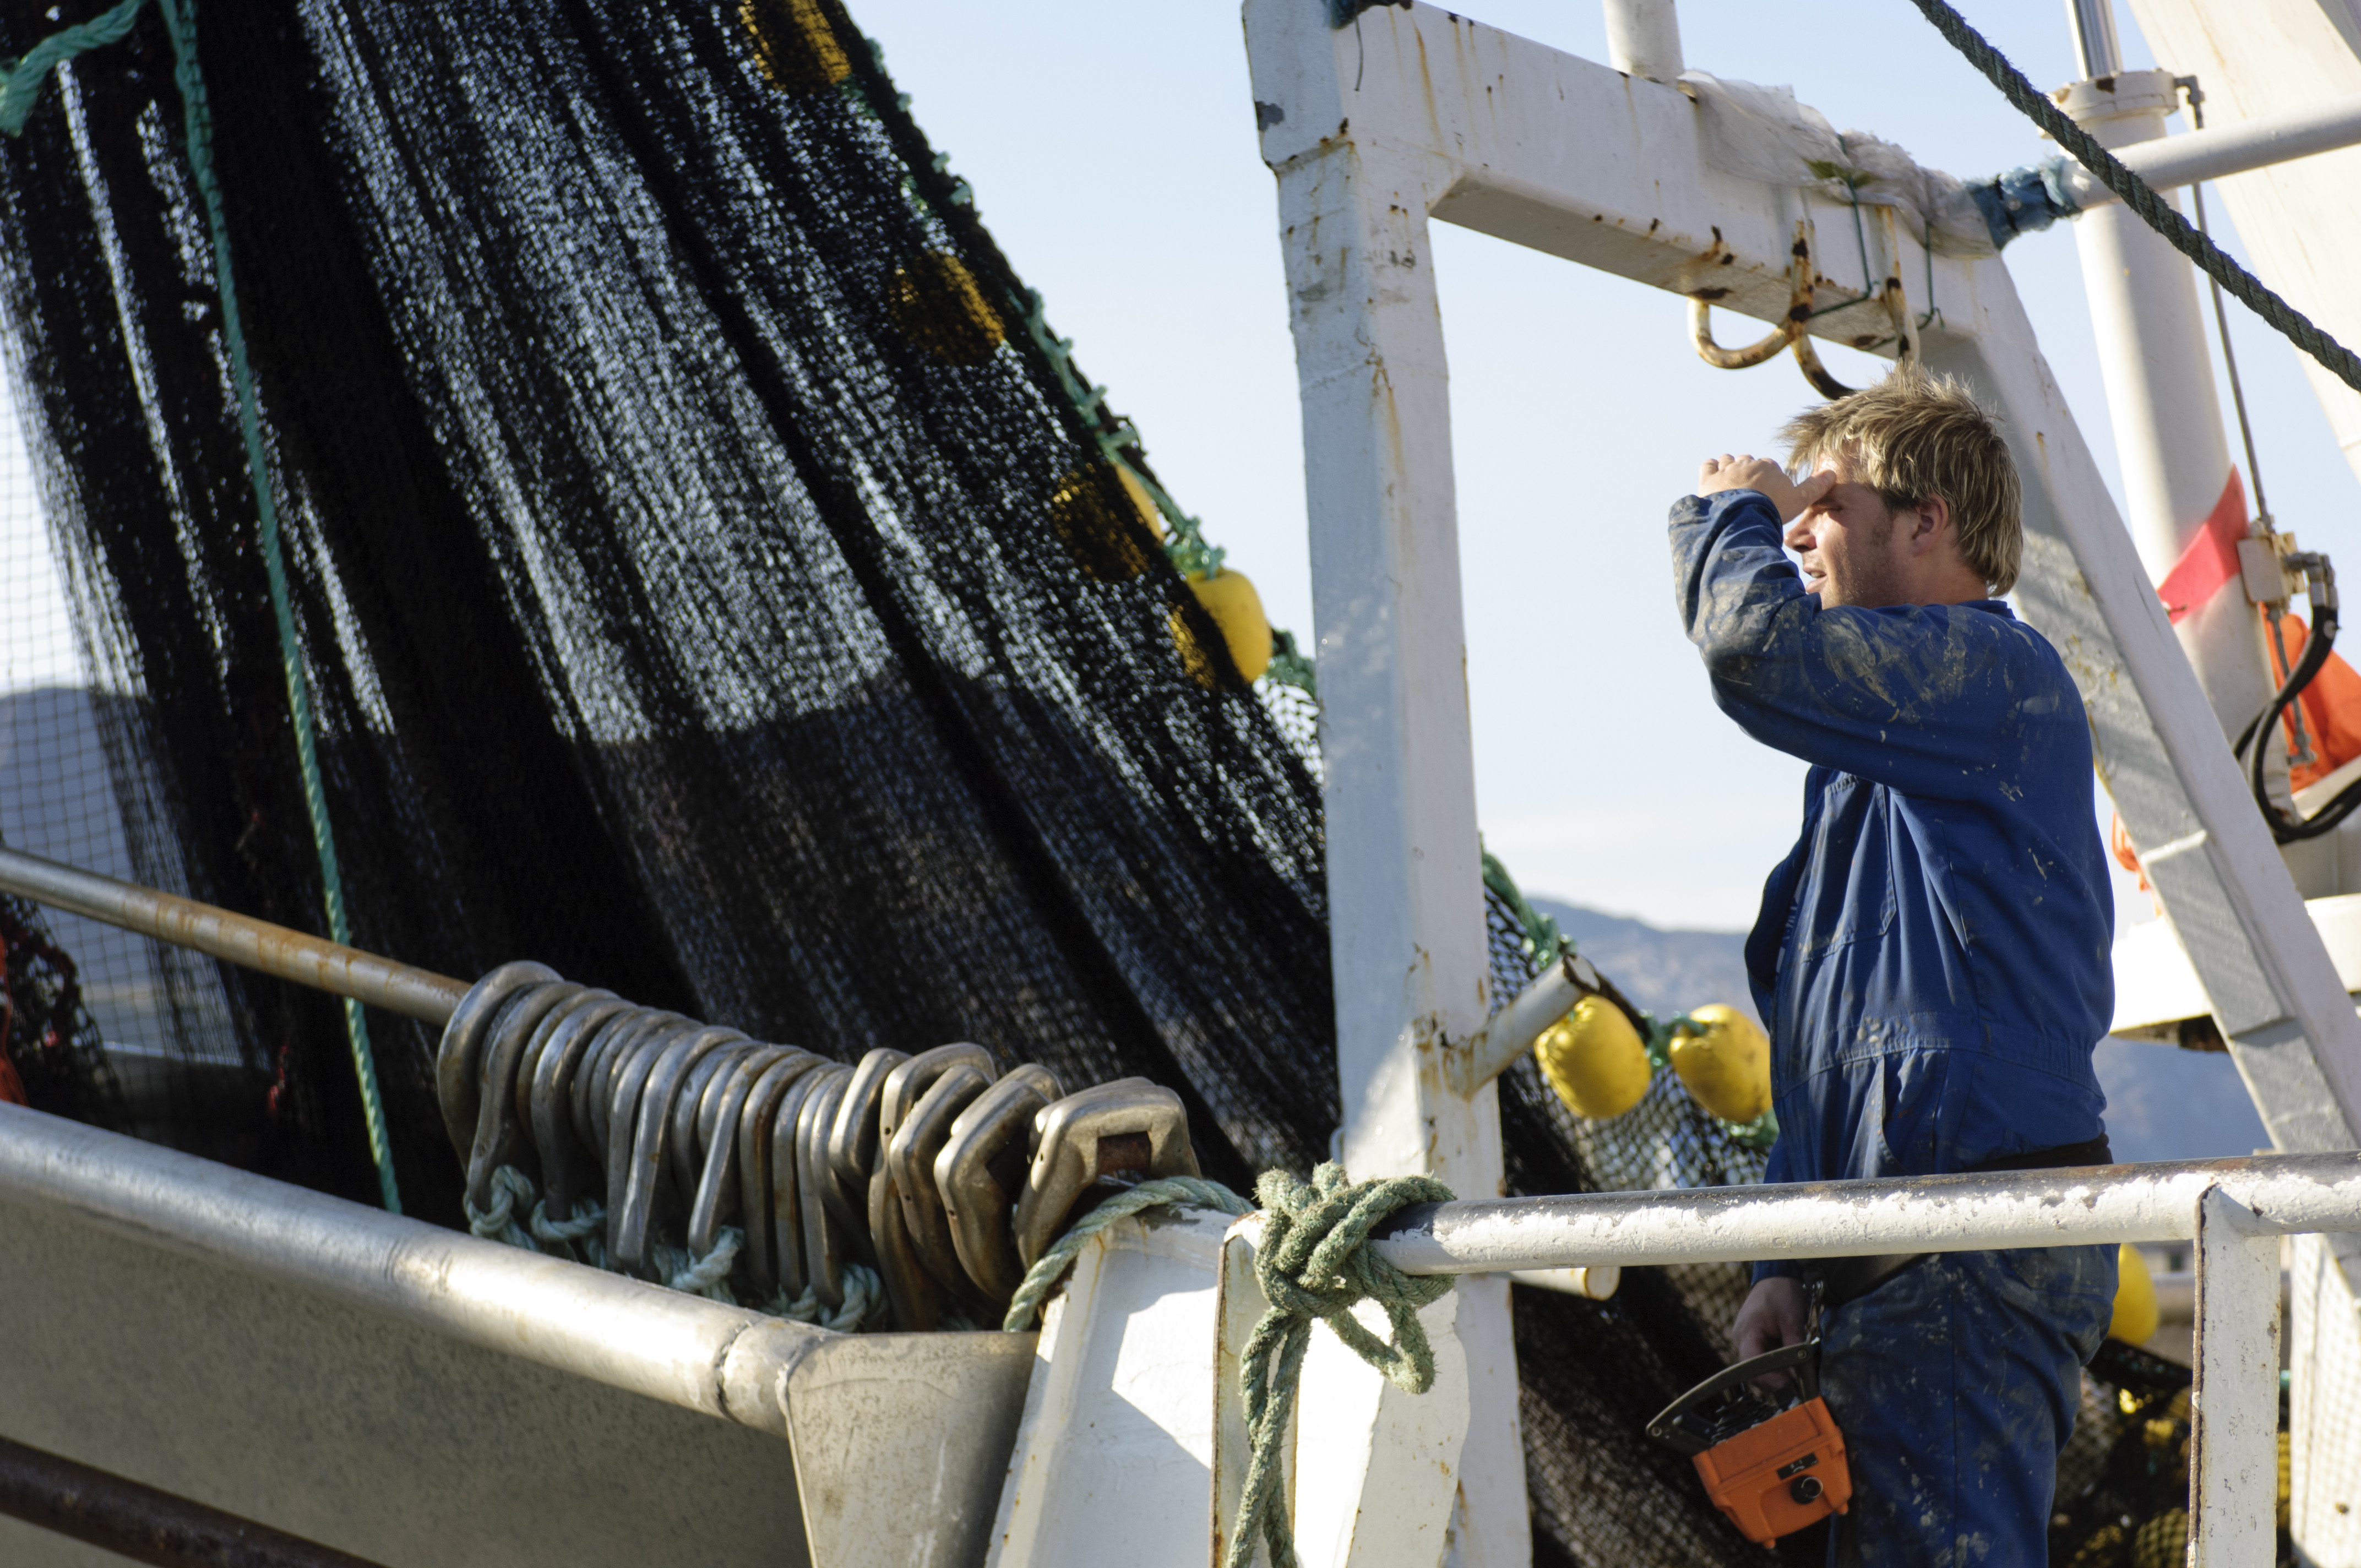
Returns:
(823,1232)
(1131,1125)
(910,1160)
(1790,328)
(755,1147)
(644,1164)
(594,1082)
(908,1083)
(717,1185)
(852,1143)
(519,1023)
(629,1074)
(686,1148)
(1897,311)
(912,1288)
(456,1059)
(916,1297)
(787,1178)
(1906,331)
(981,1169)
(554,1136)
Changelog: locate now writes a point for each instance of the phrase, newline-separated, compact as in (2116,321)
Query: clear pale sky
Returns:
(1112,149)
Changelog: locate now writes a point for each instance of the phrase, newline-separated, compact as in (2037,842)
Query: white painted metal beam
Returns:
(1405,889)
(2218,151)
(2284,1194)
(2158,376)
(1643,39)
(2234,1447)
(1509,1033)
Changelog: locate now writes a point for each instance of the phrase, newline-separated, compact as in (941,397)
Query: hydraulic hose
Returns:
(2287,828)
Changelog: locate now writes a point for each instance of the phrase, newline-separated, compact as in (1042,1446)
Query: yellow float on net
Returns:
(794,44)
(2134,1318)
(1095,527)
(1230,598)
(1594,1059)
(939,306)
(1724,1061)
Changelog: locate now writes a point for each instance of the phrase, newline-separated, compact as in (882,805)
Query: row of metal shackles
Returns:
(945,1178)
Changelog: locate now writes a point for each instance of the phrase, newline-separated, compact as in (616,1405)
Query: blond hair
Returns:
(1915,436)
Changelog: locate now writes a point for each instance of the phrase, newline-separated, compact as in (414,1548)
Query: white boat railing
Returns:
(2235,1210)
(872,1420)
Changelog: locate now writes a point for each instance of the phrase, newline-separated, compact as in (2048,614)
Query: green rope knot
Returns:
(1315,1262)
(864,1299)
(709,1277)
(513,1196)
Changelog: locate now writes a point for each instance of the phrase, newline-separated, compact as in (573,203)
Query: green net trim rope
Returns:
(1165,1192)
(22,89)
(17,96)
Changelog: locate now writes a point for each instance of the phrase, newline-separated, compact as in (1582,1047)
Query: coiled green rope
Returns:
(1315,1265)
(2139,196)
(16,99)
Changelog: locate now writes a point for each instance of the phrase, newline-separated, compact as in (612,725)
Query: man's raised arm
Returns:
(1920,696)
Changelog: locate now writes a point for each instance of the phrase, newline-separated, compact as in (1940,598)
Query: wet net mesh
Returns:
(711,585)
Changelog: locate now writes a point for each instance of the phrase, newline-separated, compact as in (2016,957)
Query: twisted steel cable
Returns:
(2139,196)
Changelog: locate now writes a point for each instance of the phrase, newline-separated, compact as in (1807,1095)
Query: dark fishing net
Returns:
(708,585)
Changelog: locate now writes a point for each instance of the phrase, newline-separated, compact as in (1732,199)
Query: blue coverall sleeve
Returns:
(1919,697)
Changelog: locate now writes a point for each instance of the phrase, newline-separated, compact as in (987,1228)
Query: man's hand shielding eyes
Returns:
(1745,473)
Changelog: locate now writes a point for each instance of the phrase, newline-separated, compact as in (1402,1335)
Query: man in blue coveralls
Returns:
(1932,956)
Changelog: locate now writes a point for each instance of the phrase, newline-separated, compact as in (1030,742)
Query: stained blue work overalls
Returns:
(1932,961)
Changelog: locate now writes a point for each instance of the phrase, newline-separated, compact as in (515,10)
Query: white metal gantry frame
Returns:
(1410,114)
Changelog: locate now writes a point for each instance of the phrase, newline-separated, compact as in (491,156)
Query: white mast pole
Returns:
(2160,376)
(1643,39)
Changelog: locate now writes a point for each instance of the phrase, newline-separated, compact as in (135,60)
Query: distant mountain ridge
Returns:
(1663,971)
(2162,1102)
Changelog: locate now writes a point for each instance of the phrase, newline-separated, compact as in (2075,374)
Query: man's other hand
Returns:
(1745,473)
(1772,1317)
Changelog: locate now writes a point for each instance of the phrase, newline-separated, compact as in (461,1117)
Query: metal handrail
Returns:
(662,1345)
(2236,1210)
(2286,1193)
(237,938)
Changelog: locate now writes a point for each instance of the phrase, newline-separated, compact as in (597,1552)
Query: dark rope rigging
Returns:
(2139,196)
